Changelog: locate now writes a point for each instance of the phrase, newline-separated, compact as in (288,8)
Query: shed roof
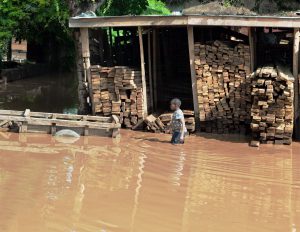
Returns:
(185,20)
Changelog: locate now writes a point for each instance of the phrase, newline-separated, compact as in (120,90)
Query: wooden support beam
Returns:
(154,47)
(84,38)
(296,76)
(251,33)
(150,71)
(187,20)
(190,30)
(143,71)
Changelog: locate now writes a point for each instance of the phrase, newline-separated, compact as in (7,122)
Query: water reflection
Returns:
(144,184)
(55,93)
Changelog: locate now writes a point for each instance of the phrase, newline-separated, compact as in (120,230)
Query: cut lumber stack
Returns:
(118,91)
(272,109)
(162,123)
(224,86)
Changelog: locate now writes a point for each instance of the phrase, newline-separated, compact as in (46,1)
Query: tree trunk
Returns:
(77,7)
(9,51)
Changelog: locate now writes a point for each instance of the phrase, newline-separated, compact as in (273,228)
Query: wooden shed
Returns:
(184,33)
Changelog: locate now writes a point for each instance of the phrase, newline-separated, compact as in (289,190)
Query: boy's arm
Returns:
(182,128)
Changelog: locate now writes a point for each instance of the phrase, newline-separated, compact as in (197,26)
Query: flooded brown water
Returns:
(140,183)
(55,93)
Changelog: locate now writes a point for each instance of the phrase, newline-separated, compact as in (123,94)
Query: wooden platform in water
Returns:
(50,123)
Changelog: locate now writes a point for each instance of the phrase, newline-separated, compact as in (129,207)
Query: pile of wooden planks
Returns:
(118,91)
(272,107)
(224,86)
(162,123)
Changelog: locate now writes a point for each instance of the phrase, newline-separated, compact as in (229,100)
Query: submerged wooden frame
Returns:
(50,123)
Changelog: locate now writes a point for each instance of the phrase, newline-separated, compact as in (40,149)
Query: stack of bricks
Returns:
(224,86)
(272,110)
(118,90)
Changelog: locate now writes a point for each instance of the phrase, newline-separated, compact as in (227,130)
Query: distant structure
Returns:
(18,50)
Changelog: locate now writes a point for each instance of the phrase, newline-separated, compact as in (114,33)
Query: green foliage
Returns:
(228,3)
(156,7)
(123,7)
(33,20)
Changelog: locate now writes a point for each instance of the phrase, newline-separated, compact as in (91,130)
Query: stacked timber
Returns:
(224,86)
(272,109)
(118,91)
(162,124)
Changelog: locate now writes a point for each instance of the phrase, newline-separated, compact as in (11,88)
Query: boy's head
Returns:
(175,104)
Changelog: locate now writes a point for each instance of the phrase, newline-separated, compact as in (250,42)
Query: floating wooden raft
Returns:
(38,122)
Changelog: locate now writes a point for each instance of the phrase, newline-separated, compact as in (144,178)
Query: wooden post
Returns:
(154,40)
(296,84)
(252,48)
(150,70)
(190,30)
(84,37)
(143,71)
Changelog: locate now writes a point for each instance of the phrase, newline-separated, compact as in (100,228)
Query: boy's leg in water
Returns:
(176,138)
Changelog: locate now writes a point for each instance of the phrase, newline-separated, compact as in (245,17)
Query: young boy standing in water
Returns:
(178,123)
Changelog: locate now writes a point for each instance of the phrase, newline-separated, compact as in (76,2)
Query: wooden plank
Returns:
(4,122)
(252,48)
(53,128)
(143,71)
(154,41)
(60,122)
(185,20)
(115,119)
(150,71)
(84,38)
(190,30)
(296,83)
(86,131)
(58,116)
(27,113)
(115,133)
(11,112)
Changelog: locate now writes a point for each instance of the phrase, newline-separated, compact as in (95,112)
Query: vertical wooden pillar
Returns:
(154,38)
(251,33)
(143,71)
(190,30)
(84,37)
(150,70)
(296,76)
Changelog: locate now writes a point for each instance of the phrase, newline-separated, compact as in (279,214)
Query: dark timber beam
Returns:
(190,30)
(252,48)
(150,70)
(296,76)
(185,20)
(154,41)
(142,55)
(84,38)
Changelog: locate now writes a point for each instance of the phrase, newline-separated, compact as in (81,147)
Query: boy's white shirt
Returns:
(180,115)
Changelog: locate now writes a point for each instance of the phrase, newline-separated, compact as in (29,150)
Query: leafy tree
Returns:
(123,7)
(33,20)
(156,7)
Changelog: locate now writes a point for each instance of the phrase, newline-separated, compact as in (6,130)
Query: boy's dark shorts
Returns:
(176,138)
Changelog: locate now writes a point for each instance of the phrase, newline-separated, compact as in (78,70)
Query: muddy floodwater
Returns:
(55,93)
(140,183)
